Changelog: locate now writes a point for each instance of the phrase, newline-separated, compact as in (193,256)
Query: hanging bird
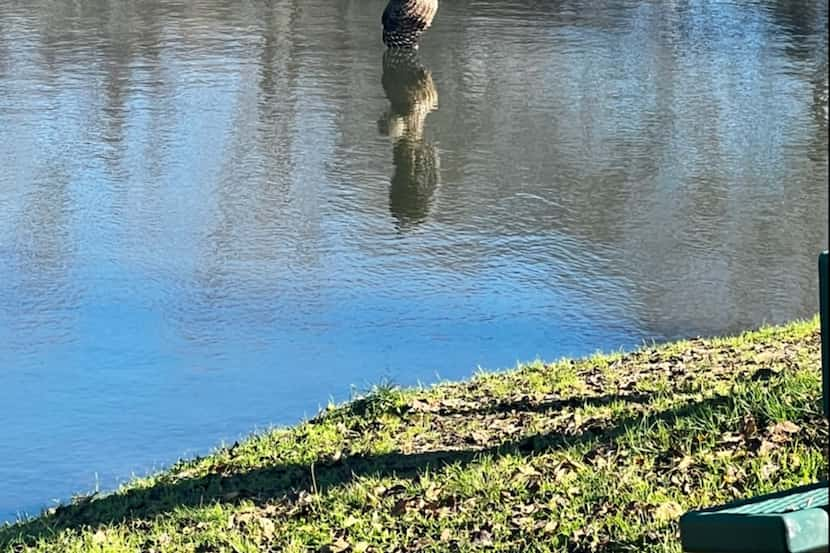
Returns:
(405,20)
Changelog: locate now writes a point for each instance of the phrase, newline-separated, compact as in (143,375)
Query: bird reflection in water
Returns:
(412,96)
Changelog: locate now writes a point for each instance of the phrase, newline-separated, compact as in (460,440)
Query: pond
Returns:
(217,216)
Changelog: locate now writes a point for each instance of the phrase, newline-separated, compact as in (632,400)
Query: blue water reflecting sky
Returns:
(215,218)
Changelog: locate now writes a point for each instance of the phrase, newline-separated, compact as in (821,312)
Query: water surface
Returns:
(215,216)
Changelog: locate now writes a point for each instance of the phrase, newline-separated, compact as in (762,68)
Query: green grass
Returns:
(598,454)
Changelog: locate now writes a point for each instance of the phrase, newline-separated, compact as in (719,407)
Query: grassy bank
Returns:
(599,454)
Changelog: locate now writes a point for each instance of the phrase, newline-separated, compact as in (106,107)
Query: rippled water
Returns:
(217,215)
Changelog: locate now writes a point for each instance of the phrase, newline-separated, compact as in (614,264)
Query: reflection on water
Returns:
(200,224)
(412,96)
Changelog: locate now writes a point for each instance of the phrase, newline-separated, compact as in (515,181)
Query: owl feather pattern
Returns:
(405,20)
(412,96)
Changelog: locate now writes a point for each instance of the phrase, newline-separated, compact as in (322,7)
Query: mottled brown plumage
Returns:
(405,20)
(411,92)
(412,96)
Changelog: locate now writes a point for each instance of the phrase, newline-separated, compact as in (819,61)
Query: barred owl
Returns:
(405,20)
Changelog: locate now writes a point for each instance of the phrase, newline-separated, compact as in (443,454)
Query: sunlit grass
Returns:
(597,454)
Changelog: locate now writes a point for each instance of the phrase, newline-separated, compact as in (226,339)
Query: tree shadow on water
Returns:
(285,481)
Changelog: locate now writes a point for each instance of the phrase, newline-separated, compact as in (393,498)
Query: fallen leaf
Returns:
(527,470)
(550,526)
(765,357)
(730,438)
(574,490)
(337,546)
(350,521)
(787,427)
(483,537)
(769,469)
(478,437)
(432,493)
(668,511)
(521,522)
(766,447)
(99,537)
(267,526)
(685,463)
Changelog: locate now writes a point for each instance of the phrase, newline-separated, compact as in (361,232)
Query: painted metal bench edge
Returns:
(722,529)
(716,530)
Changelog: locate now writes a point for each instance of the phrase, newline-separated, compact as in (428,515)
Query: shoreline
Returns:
(596,454)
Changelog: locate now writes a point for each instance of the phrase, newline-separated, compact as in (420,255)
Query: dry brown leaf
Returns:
(337,546)
(267,526)
(766,447)
(765,357)
(668,511)
(685,463)
(769,469)
(483,537)
(432,493)
(422,406)
(730,438)
(786,427)
(521,522)
(550,527)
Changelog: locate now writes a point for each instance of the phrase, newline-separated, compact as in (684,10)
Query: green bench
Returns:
(793,521)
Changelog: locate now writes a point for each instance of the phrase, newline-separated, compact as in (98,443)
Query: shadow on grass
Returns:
(527,405)
(286,480)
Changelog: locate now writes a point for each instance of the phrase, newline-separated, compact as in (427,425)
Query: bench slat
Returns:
(793,521)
